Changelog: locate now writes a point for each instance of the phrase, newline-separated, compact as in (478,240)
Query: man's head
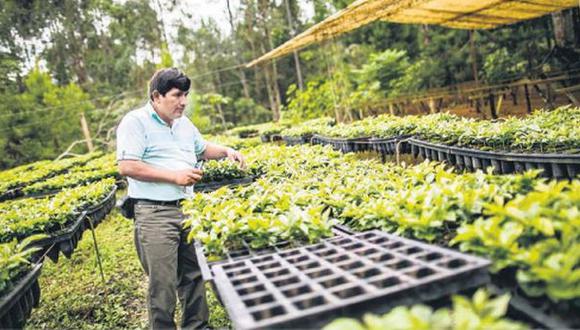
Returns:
(168,91)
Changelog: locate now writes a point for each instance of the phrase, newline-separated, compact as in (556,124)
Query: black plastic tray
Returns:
(296,140)
(247,252)
(372,271)
(16,306)
(388,146)
(99,212)
(538,311)
(344,145)
(560,166)
(270,137)
(66,240)
(215,185)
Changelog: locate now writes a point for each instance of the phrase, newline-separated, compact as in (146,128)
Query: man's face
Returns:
(172,105)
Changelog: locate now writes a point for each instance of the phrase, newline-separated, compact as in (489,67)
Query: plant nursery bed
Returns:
(64,241)
(539,311)
(247,252)
(265,138)
(97,213)
(388,146)
(560,166)
(344,145)
(346,276)
(296,140)
(16,305)
(215,185)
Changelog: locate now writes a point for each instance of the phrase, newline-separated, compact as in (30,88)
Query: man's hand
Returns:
(236,156)
(187,177)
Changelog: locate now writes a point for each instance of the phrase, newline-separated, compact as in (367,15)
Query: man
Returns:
(157,149)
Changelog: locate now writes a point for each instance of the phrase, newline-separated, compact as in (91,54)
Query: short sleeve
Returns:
(200,143)
(130,139)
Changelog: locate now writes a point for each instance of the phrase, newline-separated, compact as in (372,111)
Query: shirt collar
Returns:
(156,117)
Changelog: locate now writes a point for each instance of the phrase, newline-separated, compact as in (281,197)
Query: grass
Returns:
(74,296)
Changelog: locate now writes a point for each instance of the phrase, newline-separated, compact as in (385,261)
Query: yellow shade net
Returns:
(460,14)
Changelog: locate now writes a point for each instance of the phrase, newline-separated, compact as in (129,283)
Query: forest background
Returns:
(64,63)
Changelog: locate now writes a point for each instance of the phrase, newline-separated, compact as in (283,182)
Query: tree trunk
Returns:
(295,53)
(219,108)
(274,89)
(425,32)
(268,79)
(566,28)
(241,74)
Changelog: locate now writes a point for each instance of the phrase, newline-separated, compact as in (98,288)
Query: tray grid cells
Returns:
(282,287)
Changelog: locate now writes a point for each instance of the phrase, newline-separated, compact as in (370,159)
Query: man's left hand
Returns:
(236,156)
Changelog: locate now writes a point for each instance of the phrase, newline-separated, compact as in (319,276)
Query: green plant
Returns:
(539,233)
(481,312)
(221,170)
(22,218)
(14,261)
(29,174)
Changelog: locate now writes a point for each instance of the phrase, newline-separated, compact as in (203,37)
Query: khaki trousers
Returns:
(171,266)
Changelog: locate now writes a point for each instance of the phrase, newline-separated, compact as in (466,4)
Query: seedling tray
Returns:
(245,253)
(64,241)
(15,306)
(295,140)
(97,213)
(270,137)
(343,145)
(540,311)
(560,166)
(388,146)
(372,271)
(215,185)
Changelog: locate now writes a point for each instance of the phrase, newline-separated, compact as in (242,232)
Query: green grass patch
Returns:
(74,296)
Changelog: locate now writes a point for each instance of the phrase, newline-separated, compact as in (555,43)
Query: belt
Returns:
(176,203)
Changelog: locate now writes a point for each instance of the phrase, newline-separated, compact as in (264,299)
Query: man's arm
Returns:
(215,151)
(138,170)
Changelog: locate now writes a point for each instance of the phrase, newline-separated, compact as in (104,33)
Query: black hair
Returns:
(164,80)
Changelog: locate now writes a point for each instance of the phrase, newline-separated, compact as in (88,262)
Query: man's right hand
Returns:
(187,177)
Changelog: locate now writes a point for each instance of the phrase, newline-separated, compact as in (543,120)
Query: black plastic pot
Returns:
(388,146)
(295,140)
(265,138)
(276,137)
(343,145)
(16,305)
(215,185)
(245,135)
(559,166)
(11,194)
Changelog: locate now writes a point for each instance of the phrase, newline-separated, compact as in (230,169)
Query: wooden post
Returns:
(550,96)
(499,102)
(391,109)
(492,106)
(528,103)
(473,55)
(432,105)
(86,132)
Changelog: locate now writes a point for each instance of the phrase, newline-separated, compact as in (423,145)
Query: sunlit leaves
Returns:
(481,312)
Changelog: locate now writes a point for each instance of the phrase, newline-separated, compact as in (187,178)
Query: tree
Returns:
(42,121)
